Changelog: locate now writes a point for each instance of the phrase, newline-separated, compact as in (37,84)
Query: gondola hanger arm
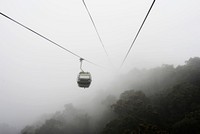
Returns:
(81,61)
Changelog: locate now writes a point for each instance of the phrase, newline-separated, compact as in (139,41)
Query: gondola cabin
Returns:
(84,79)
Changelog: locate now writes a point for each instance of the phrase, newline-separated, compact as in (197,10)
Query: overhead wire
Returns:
(48,39)
(101,41)
(137,34)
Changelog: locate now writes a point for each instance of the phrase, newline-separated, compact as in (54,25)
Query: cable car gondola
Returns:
(84,78)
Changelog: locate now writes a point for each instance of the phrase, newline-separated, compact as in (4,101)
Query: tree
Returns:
(135,114)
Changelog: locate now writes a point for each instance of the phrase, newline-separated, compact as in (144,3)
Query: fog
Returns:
(39,78)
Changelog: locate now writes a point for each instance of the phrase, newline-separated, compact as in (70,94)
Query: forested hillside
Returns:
(163,100)
(171,103)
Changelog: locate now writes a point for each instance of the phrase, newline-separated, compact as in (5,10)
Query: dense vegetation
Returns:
(163,100)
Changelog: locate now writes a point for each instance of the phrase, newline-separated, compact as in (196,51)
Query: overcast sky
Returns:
(37,77)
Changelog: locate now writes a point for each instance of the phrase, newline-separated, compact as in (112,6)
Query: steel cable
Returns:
(137,34)
(47,39)
(97,31)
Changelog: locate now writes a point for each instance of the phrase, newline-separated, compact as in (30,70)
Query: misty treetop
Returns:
(162,100)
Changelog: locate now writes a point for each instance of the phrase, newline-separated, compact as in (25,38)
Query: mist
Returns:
(38,79)
(156,90)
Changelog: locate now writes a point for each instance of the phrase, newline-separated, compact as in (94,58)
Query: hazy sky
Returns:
(37,77)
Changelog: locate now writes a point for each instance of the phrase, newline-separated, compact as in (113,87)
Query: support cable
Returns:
(137,34)
(47,39)
(97,31)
